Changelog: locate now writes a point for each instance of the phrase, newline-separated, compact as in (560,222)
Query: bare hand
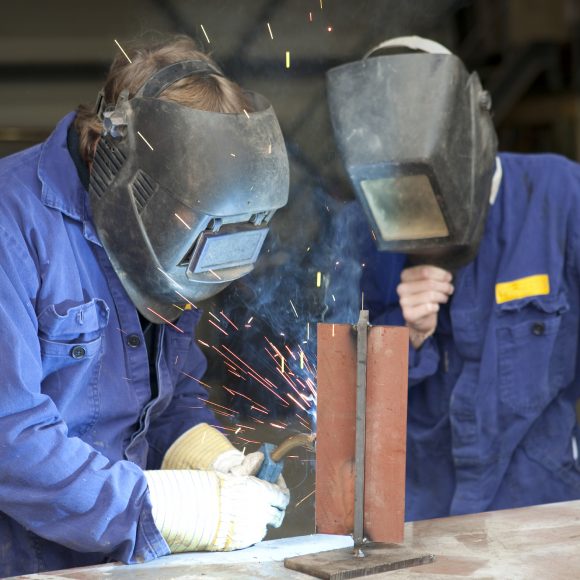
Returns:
(421,291)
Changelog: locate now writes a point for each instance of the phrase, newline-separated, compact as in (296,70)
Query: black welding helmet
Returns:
(415,133)
(181,198)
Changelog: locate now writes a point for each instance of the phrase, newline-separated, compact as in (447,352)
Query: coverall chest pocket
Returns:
(71,345)
(529,369)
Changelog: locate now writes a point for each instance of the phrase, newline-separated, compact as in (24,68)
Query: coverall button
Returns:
(78,351)
(538,329)
(133,340)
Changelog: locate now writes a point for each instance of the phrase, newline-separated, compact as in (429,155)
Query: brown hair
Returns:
(209,93)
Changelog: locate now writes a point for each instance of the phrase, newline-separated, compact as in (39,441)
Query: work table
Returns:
(533,542)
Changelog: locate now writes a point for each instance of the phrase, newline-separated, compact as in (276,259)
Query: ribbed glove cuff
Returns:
(186,508)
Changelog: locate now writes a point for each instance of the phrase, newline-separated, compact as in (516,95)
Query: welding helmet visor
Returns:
(414,130)
(181,198)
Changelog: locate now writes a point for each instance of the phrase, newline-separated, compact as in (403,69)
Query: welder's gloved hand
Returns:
(204,447)
(421,292)
(206,510)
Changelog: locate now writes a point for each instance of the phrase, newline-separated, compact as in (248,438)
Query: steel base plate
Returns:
(344,563)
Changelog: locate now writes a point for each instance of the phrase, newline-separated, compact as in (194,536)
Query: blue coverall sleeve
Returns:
(423,362)
(55,485)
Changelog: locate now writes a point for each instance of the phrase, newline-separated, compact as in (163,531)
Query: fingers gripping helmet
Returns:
(182,198)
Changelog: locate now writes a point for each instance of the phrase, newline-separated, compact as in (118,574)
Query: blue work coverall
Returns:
(491,416)
(78,422)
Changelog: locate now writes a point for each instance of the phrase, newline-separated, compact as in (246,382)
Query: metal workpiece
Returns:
(343,564)
(361,447)
(384,433)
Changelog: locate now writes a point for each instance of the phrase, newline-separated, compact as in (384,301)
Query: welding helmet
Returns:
(181,198)
(415,133)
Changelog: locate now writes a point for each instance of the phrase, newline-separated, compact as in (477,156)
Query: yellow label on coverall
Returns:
(537,285)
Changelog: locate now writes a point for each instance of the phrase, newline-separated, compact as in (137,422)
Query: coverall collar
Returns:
(61,186)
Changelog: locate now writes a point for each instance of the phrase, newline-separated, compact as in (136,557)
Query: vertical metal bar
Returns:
(361,396)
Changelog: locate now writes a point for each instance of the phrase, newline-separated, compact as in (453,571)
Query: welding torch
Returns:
(273,463)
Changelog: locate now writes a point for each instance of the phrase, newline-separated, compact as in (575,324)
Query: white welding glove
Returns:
(207,510)
(204,447)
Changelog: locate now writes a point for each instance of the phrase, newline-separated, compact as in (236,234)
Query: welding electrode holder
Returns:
(273,463)
(270,469)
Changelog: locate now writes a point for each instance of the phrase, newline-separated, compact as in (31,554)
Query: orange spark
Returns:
(218,327)
(222,313)
(164,319)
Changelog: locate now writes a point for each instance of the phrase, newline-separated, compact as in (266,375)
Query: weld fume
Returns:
(295,251)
